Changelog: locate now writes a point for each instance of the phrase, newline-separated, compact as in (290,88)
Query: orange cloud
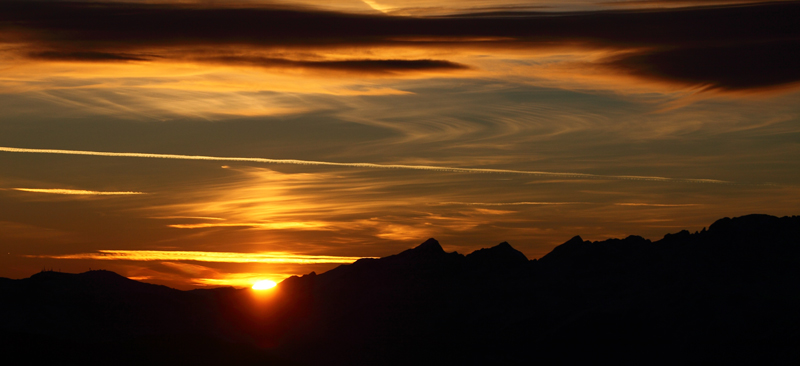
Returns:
(79,192)
(219,257)
(256,225)
(711,48)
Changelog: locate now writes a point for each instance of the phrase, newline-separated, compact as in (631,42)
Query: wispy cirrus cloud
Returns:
(656,204)
(77,192)
(510,203)
(187,217)
(310,225)
(645,204)
(200,256)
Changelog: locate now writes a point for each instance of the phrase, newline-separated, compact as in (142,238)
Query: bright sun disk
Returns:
(264,285)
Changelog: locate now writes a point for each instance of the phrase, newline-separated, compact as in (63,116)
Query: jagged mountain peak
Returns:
(430,245)
(501,254)
(576,238)
(570,247)
(428,249)
(371,309)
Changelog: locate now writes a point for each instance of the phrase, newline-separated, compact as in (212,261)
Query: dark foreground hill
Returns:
(729,294)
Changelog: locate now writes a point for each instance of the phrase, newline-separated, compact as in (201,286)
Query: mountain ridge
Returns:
(715,295)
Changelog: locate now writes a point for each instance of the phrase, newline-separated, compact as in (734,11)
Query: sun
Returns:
(264,285)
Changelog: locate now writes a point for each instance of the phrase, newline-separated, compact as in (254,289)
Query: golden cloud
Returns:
(79,192)
(198,256)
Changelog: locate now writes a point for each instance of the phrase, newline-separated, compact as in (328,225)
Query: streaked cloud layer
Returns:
(222,143)
(219,257)
(710,50)
(78,192)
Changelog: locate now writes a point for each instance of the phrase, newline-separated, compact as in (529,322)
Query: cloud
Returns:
(198,256)
(205,276)
(656,204)
(347,66)
(186,217)
(378,7)
(727,48)
(487,211)
(305,225)
(361,165)
(84,56)
(678,3)
(356,66)
(725,67)
(511,203)
(565,203)
(79,192)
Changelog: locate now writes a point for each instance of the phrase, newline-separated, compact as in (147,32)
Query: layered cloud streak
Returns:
(218,257)
(77,192)
(731,47)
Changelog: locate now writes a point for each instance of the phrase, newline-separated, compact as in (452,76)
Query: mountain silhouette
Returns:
(728,294)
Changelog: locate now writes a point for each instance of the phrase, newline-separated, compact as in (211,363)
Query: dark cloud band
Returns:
(349,66)
(730,47)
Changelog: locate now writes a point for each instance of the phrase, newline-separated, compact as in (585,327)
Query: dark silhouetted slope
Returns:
(728,294)
(100,305)
(725,294)
(187,349)
(102,318)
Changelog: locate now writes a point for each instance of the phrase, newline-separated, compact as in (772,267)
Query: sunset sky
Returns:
(207,143)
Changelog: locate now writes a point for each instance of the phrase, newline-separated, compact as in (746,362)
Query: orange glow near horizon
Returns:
(264,285)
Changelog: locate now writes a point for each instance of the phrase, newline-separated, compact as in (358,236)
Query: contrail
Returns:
(361,165)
